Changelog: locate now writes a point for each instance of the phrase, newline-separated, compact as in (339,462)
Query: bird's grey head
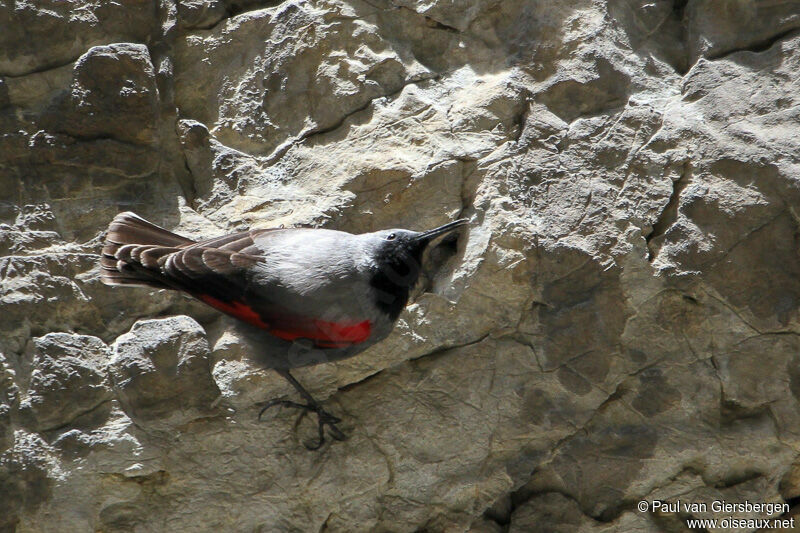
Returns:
(397,259)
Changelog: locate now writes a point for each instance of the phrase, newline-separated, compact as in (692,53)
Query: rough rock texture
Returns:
(161,370)
(619,322)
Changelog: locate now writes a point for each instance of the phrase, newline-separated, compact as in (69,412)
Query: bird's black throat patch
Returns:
(398,267)
(390,298)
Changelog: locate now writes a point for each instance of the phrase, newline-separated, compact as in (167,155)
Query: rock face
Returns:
(619,322)
(161,370)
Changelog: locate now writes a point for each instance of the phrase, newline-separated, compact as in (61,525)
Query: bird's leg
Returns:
(324,418)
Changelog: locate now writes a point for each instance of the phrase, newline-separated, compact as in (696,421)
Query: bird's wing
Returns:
(218,272)
(205,269)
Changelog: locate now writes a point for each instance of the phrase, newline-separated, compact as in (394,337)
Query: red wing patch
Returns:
(324,334)
(339,332)
(236,309)
(327,334)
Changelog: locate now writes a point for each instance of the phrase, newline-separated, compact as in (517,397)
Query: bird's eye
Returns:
(391,236)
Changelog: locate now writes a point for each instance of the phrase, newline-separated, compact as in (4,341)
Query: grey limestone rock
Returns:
(618,323)
(69,378)
(113,96)
(160,370)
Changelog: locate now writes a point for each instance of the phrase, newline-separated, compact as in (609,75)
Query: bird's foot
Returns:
(324,418)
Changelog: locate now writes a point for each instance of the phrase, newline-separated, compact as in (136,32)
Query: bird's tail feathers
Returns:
(132,247)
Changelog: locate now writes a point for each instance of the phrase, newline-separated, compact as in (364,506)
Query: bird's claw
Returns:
(324,418)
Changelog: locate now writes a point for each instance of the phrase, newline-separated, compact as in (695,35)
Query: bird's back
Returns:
(306,291)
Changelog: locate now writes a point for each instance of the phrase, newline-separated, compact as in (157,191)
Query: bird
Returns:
(305,295)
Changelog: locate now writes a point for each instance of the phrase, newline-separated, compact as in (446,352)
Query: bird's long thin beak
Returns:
(441,230)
